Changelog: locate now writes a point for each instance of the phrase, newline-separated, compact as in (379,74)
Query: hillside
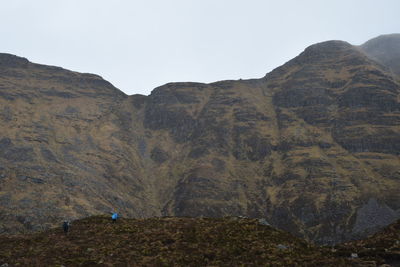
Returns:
(313,147)
(166,241)
(382,247)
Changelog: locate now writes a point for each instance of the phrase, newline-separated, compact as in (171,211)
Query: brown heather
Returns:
(96,241)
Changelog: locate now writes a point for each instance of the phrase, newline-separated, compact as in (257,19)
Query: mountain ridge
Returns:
(312,146)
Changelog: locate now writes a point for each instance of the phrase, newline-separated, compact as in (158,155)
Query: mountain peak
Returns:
(325,55)
(392,38)
(9,60)
(325,50)
(329,46)
(384,49)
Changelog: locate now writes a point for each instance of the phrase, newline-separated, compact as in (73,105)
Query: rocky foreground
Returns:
(168,241)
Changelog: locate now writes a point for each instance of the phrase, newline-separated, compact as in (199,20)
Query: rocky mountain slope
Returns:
(313,146)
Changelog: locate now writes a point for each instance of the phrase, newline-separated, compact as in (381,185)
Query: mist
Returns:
(139,45)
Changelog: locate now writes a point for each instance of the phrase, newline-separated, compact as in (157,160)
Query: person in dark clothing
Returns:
(66,227)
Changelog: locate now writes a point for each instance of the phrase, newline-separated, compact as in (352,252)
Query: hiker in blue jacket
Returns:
(114,217)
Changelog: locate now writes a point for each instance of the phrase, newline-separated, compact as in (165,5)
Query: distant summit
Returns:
(385,49)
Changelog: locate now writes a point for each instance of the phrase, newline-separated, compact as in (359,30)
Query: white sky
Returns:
(139,45)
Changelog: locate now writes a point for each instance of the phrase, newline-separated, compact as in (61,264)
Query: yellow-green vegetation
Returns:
(167,241)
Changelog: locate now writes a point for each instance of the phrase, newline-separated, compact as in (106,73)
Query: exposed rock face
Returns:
(61,148)
(313,147)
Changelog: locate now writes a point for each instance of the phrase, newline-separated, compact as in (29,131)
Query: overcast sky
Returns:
(139,45)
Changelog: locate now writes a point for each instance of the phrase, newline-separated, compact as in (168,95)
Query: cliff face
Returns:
(60,151)
(313,146)
(338,116)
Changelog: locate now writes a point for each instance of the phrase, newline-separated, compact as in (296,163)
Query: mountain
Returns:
(385,49)
(313,146)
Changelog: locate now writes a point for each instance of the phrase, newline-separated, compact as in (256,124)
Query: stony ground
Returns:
(166,242)
(171,241)
(382,247)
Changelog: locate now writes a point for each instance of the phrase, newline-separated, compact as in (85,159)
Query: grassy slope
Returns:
(164,242)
